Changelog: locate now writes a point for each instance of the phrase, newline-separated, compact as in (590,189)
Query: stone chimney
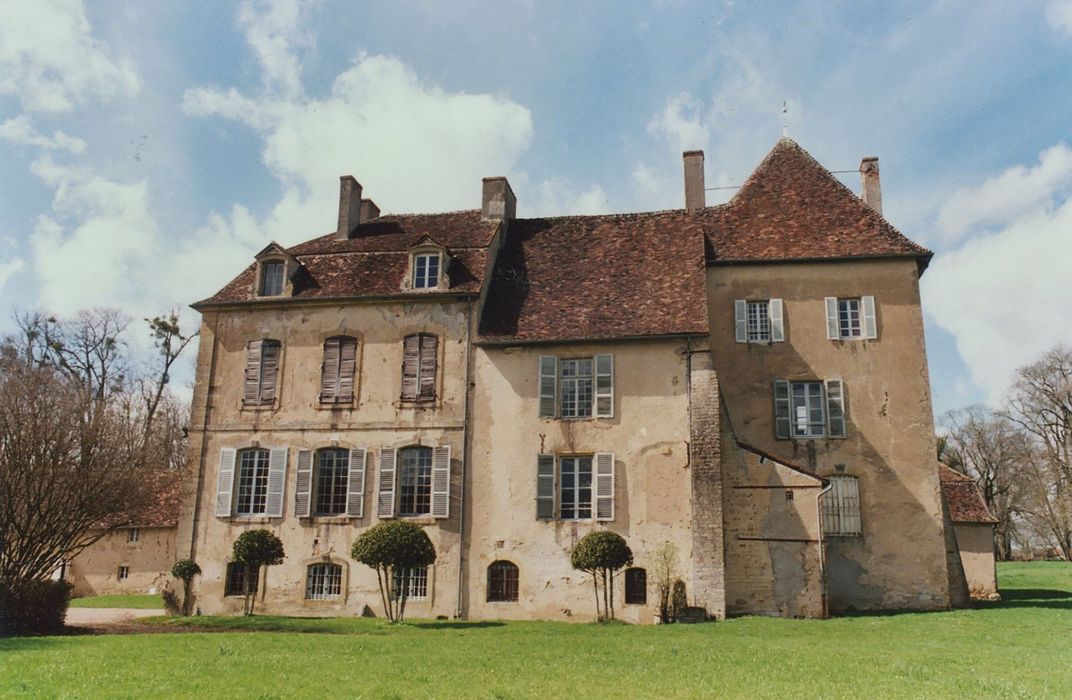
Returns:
(695,197)
(369,211)
(870,190)
(498,201)
(349,206)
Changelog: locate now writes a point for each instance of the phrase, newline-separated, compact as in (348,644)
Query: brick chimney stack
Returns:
(349,206)
(870,189)
(695,197)
(498,201)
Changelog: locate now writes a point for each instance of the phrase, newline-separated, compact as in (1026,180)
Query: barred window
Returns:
(323,581)
(236,579)
(271,279)
(575,380)
(332,475)
(575,488)
(759,321)
(636,586)
(502,582)
(414,579)
(253,482)
(415,481)
(841,507)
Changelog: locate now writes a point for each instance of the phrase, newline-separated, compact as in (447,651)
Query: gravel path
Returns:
(94,617)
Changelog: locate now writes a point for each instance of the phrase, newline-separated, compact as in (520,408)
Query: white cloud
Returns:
(1059,15)
(559,196)
(274,30)
(680,124)
(50,60)
(20,130)
(1003,199)
(8,270)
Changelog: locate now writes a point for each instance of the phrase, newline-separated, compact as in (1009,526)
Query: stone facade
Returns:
(128,560)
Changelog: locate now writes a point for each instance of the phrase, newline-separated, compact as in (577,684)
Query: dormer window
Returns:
(426,270)
(272,276)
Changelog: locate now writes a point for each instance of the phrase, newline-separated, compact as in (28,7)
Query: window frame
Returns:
(240,467)
(263,280)
(421,480)
(233,582)
(133,535)
(123,573)
(846,308)
(629,576)
(418,580)
(576,490)
(576,380)
(340,484)
(810,422)
(758,311)
(420,279)
(323,581)
(503,582)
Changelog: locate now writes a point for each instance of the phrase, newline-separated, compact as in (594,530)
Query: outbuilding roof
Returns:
(966,504)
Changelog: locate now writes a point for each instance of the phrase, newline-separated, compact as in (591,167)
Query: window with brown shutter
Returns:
(338,370)
(262,372)
(420,360)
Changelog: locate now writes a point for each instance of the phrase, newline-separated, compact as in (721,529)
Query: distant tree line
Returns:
(1020,456)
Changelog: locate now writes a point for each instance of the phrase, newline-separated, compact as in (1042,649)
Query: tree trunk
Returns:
(612,594)
(384,595)
(595,589)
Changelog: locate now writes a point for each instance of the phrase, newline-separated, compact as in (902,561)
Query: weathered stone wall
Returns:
(708,556)
(976,544)
(95,571)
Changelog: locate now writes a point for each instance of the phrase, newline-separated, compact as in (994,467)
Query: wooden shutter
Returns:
(548,383)
(270,351)
(355,484)
(604,486)
(252,383)
(347,369)
(411,362)
(429,364)
(385,505)
(782,408)
(867,310)
(777,324)
(835,407)
(740,319)
(225,482)
(277,481)
(849,505)
(833,329)
(441,482)
(604,403)
(303,487)
(329,371)
(545,487)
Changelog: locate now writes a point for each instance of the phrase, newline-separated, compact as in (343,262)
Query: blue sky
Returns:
(149,149)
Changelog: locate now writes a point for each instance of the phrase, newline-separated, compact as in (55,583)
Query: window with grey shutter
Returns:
(420,359)
(777,322)
(740,320)
(225,482)
(411,366)
(441,482)
(277,480)
(270,352)
(385,503)
(870,324)
(604,407)
(781,409)
(833,329)
(355,490)
(545,487)
(252,383)
(338,370)
(303,487)
(835,407)
(604,486)
(428,366)
(548,385)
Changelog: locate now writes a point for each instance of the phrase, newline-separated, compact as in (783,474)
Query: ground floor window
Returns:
(636,586)
(236,579)
(415,581)
(124,573)
(502,582)
(841,507)
(323,581)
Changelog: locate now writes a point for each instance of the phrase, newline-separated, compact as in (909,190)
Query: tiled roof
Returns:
(592,277)
(792,208)
(966,504)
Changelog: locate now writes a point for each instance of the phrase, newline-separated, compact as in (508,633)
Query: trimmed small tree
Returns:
(394,547)
(254,549)
(602,554)
(185,570)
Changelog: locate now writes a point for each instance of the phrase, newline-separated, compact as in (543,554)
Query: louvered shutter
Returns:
(355,484)
(385,505)
(441,482)
(782,408)
(329,371)
(740,319)
(270,351)
(225,482)
(868,311)
(545,487)
(411,362)
(429,364)
(277,480)
(548,382)
(835,407)
(777,323)
(604,404)
(347,369)
(303,487)
(604,486)
(250,388)
(833,331)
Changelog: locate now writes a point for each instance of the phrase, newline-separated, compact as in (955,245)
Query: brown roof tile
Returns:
(966,504)
(591,277)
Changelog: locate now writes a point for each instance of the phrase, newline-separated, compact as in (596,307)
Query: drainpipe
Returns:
(467,449)
(822,548)
(204,441)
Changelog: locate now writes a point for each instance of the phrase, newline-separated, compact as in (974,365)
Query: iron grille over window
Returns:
(502,582)
(415,581)
(323,581)
(841,507)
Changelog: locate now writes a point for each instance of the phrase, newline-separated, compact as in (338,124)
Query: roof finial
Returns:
(785,119)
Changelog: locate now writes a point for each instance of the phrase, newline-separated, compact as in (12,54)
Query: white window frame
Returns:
(133,535)
(262,282)
(553,378)
(325,583)
(842,311)
(418,581)
(422,278)
(804,413)
(251,509)
(577,489)
(757,318)
(123,573)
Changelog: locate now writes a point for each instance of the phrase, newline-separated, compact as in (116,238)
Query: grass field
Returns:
(142,602)
(1018,648)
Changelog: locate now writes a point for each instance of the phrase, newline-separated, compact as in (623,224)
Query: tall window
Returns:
(576,387)
(849,325)
(262,372)
(419,362)
(426,270)
(502,582)
(332,475)
(636,586)
(414,580)
(841,506)
(323,581)
(236,579)
(338,370)
(271,279)
(415,481)
(575,488)
(252,482)
(807,409)
(575,380)
(133,534)
(759,321)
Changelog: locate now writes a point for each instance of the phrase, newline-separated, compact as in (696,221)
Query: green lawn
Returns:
(142,602)
(1019,648)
